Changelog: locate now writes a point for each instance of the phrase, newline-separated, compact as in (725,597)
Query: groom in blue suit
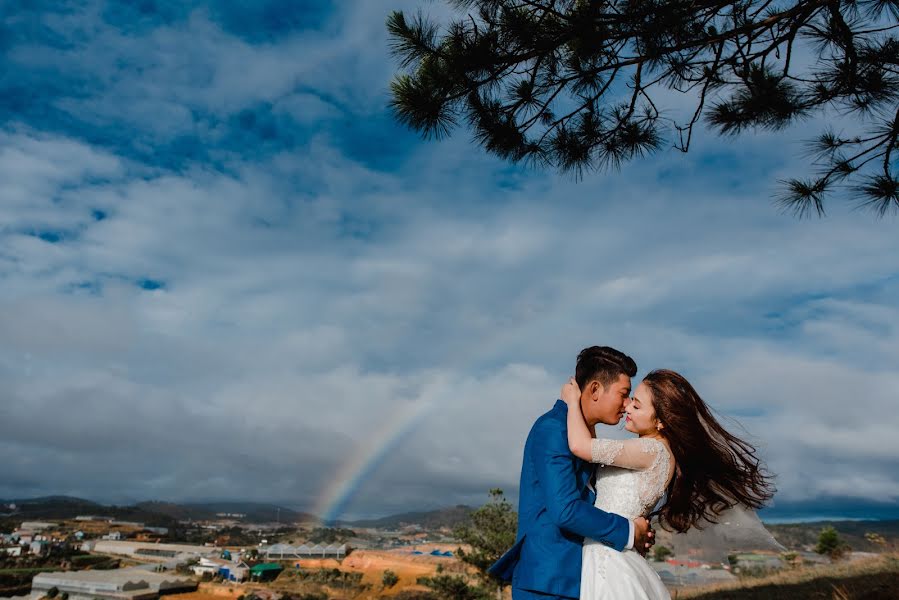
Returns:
(555,505)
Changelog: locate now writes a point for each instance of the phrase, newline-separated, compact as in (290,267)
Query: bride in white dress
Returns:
(683,454)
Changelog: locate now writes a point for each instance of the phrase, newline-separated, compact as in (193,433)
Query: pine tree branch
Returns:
(508,65)
(891,144)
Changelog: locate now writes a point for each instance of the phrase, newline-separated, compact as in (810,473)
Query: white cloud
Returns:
(306,297)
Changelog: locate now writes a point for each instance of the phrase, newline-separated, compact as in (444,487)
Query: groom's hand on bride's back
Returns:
(644,536)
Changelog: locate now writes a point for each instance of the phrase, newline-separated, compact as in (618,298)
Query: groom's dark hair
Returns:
(603,364)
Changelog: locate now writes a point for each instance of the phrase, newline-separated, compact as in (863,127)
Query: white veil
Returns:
(738,530)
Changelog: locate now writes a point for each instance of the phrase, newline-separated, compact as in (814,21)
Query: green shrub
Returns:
(661,553)
(389,579)
(830,544)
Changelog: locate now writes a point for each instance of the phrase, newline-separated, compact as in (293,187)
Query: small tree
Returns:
(660,553)
(389,579)
(830,544)
(490,532)
(53,592)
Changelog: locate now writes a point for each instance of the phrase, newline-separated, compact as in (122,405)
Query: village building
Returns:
(149,550)
(39,547)
(229,570)
(118,584)
(36,526)
(265,571)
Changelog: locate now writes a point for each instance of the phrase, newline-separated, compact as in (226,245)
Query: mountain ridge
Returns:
(166,513)
(450,516)
(160,512)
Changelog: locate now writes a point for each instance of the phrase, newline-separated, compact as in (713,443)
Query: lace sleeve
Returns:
(604,452)
(657,474)
(635,453)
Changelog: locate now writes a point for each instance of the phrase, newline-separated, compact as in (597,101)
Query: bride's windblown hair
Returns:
(715,469)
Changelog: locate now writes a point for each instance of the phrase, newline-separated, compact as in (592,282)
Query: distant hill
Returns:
(67,507)
(178,512)
(60,507)
(253,512)
(434,519)
(166,514)
(152,513)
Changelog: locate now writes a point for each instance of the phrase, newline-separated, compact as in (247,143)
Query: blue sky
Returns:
(224,266)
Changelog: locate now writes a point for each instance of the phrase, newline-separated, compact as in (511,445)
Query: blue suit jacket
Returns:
(555,514)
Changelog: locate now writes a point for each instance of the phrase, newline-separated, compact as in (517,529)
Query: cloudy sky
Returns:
(227,273)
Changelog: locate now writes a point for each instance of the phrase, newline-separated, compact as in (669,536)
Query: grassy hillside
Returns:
(797,535)
(712,545)
(869,579)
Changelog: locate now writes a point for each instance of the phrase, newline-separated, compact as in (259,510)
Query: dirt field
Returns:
(210,591)
(371,563)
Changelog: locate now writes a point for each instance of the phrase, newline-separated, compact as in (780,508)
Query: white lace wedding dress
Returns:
(631,477)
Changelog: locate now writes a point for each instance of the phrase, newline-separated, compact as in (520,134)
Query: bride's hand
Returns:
(571,393)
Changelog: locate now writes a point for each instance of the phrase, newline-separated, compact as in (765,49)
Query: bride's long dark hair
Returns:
(715,469)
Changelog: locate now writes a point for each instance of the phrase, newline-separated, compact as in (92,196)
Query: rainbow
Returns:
(365,460)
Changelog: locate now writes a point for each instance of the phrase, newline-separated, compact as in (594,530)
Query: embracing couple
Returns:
(585,501)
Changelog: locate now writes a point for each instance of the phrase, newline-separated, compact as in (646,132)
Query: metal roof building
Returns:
(149,550)
(287,552)
(117,584)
